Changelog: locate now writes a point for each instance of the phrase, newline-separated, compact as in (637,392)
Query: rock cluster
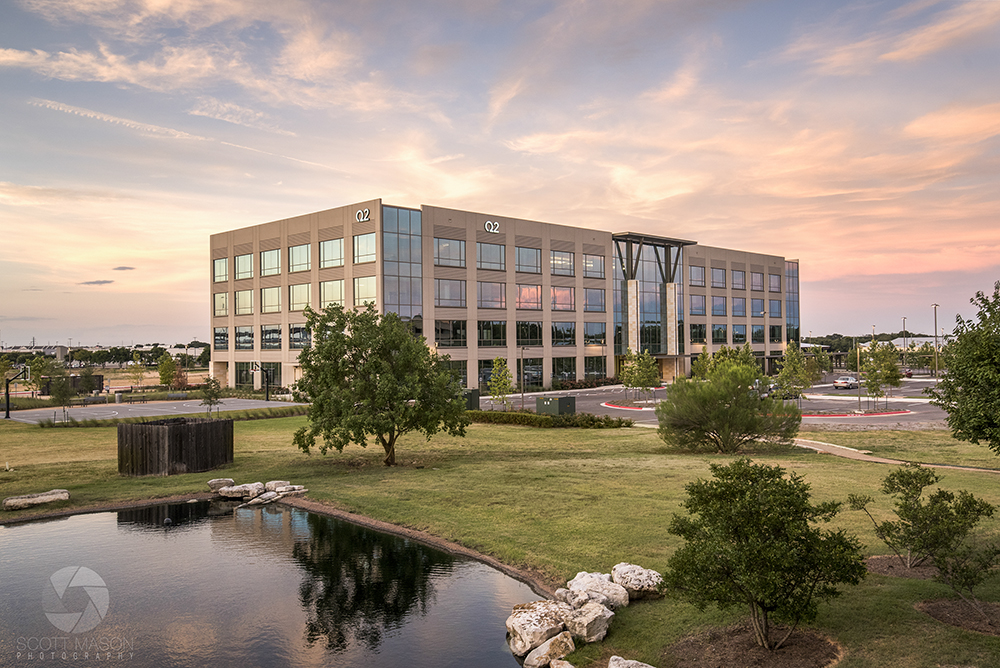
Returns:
(255,493)
(543,631)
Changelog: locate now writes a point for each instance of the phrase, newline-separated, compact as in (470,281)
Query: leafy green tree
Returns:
(211,393)
(706,361)
(751,541)
(501,383)
(970,391)
(167,368)
(137,372)
(204,357)
(818,363)
(702,364)
(725,413)
(646,372)
(87,382)
(5,366)
(793,375)
(60,390)
(627,375)
(41,368)
(881,369)
(367,374)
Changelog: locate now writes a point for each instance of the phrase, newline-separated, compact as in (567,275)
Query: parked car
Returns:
(907,373)
(846,383)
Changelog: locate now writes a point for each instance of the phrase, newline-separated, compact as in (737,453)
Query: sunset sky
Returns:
(861,138)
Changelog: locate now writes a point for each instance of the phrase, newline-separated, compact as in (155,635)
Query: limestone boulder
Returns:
(291,489)
(531,624)
(273,485)
(572,598)
(555,647)
(266,497)
(30,500)
(600,589)
(639,582)
(215,484)
(590,623)
(618,662)
(249,490)
(559,663)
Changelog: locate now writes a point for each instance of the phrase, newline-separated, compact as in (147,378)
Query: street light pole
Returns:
(522,379)
(935,341)
(904,341)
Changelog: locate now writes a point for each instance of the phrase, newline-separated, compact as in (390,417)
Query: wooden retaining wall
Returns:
(177,445)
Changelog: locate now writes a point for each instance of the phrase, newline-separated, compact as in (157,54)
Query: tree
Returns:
(970,391)
(501,383)
(137,372)
(204,357)
(751,541)
(42,367)
(180,379)
(211,393)
(367,374)
(818,363)
(706,362)
(793,374)
(646,372)
(167,368)
(60,389)
(725,413)
(881,368)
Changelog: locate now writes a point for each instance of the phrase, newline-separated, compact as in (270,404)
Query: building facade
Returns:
(557,302)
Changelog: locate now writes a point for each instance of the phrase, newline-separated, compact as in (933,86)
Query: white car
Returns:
(846,383)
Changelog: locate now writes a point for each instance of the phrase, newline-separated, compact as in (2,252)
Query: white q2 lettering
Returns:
(362,215)
(492,227)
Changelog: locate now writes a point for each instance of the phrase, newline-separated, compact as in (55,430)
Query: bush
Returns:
(528,419)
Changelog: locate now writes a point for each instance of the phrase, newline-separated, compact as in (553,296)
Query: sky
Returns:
(860,138)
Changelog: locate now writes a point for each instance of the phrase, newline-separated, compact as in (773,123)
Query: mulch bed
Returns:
(735,647)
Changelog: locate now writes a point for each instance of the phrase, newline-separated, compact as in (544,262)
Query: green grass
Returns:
(556,502)
(925,447)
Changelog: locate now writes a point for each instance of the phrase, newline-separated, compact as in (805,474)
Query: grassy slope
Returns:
(558,501)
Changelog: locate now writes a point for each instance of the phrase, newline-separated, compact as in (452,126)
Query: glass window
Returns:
(220,269)
(756,281)
(449,253)
(696,276)
(593,299)
(270,262)
(562,263)
(331,253)
(776,334)
(491,256)
(270,300)
(460,368)
(757,333)
(529,297)
(449,293)
(594,368)
(492,333)
(697,304)
(299,258)
(564,333)
(298,336)
(528,260)
(331,292)
(298,296)
(757,308)
(739,307)
(595,334)
(593,266)
(718,277)
(739,334)
(719,334)
(530,372)
(563,368)
(364,290)
(244,303)
(697,333)
(739,279)
(529,333)
(270,337)
(718,306)
(220,303)
(244,266)
(774,282)
(491,295)
(364,248)
(244,338)
(774,308)
(563,299)
(221,338)
(451,333)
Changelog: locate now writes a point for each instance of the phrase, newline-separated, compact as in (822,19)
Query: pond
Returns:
(269,586)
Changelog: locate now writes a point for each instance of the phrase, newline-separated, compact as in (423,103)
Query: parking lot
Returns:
(163,409)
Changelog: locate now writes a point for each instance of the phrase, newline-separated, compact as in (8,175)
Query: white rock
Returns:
(29,500)
(266,497)
(600,589)
(559,663)
(273,485)
(554,648)
(250,489)
(293,492)
(639,582)
(531,624)
(618,662)
(288,489)
(574,599)
(590,623)
(215,484)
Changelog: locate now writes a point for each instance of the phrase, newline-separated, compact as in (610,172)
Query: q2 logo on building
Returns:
(75,599)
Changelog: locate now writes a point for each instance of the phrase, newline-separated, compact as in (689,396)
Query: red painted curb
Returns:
(839,415)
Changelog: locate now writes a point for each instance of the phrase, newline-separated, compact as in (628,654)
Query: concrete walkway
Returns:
(865,456)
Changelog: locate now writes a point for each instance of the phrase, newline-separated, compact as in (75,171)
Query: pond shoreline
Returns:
(534,580)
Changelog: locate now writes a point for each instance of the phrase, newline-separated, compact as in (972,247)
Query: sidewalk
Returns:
(863,456)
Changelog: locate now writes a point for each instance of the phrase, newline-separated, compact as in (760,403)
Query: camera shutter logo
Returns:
(75,599)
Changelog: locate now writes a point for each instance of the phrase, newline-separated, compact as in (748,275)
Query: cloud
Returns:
(233,113)
(105,282)
(144,128)
(955,26)
(123,269)
(959,123)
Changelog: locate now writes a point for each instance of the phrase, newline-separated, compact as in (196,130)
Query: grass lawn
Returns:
(558,502)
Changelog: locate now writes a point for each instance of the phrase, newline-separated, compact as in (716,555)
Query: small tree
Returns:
(167,368)
(628,371)
(137,372)
(204,357)
(646,373)
(180,379)
(793,376)
(211,393)
(366,374)
(751,541)
(60,389)
(501,383)
(41,367)
(725,413)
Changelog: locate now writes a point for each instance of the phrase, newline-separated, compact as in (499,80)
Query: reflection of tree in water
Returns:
(362,583)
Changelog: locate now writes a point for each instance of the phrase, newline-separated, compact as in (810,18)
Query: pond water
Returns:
(271,586)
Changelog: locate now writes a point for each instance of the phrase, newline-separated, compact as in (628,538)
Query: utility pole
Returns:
(904,341)
(935,341)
